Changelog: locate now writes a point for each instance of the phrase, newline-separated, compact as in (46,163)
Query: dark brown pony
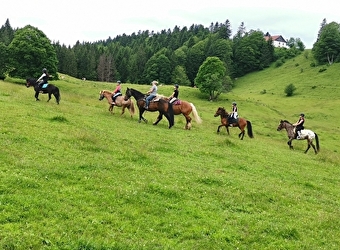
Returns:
(49,89)
(161,105)
(306,134)
(120,102)
(185,108)
(241,123)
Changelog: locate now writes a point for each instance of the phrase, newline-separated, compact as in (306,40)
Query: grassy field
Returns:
(73,176)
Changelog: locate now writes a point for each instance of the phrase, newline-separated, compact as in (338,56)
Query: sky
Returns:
(69,21)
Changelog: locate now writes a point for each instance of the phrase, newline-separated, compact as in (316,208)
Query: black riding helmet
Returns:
(176,85)
(302,114)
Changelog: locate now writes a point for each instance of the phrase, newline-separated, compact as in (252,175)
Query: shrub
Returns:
(289,90)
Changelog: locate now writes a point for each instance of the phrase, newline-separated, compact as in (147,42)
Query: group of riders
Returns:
(152,93)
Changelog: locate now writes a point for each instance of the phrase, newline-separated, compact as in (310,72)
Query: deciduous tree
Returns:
(211,78)
(29,52)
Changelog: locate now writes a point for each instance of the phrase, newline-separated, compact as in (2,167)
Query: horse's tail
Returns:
(250,129)
(317,142)
(132,107)
(194,112)
(57,94)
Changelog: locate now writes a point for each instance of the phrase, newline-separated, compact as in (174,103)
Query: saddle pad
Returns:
(44,85)
(177,102)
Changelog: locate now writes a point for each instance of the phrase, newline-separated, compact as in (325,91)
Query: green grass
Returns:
(73,176)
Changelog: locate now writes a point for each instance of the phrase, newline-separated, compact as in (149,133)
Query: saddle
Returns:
(117,94)
(154,99)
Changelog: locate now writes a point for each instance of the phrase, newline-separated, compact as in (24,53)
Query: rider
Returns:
(174,95)
(116,92)
(43,78)
(233,115)
(299,125)
(152,93)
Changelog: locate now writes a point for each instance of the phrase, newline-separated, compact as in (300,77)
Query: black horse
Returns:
(49,89)
(161,105)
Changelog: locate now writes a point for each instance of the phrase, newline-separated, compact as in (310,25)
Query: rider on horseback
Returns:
(299,126)
(152,93)
(116,92)
(233,115)
(174,95)
(43,78)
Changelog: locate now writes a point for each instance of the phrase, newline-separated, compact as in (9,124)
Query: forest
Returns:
(169,56)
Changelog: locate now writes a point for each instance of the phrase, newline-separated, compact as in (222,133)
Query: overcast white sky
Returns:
(68,21)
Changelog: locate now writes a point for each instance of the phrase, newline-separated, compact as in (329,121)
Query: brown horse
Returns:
(241,123)
(120,102)
(161,105)
(306,134)
(185,108)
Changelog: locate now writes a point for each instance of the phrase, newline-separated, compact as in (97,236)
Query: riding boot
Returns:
(298,135)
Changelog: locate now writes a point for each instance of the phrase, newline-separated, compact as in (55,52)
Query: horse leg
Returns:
(159,118)
(169,119)
(111,108)
(36,95)
(56,97)
(188,120)
(218,128)
(241,135)
(141,111)
(123,109)
(49,97)
(314,147)
(290,144)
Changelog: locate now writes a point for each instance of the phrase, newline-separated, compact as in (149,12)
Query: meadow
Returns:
(74,176)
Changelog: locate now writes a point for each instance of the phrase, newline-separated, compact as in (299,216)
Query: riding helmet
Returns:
(234,103)
(119,81)
(44,70)
(176,85)
(302,114)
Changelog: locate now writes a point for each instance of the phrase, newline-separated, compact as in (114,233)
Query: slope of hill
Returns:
(73,176)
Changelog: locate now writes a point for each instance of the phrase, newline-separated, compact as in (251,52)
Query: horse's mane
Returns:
(286,122)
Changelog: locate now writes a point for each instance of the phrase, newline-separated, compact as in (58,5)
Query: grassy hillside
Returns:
(73,176)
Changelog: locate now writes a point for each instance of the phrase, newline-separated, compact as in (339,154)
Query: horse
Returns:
(241,123)
(49,89)
(120,102)
(160,105)
(185,108)
(306,134)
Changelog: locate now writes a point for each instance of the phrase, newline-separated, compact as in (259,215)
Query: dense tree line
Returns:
(169,56)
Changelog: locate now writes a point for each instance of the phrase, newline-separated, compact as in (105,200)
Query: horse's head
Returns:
(30,82)
(219,111)
(101,95)
(283,124)
(128,94)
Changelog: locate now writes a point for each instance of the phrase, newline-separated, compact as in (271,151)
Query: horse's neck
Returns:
(289,128)
(137,95)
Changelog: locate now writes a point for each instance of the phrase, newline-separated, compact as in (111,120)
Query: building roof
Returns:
(278,38)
